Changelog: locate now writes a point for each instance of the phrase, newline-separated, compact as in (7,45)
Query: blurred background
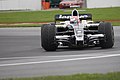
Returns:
(51,4)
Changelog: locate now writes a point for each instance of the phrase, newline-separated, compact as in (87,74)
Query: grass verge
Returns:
(108,76)
(20,25)
(99,14)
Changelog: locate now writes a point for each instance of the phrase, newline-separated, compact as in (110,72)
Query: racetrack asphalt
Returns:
(21,55)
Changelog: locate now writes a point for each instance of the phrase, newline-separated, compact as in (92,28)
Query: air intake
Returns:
(75,13)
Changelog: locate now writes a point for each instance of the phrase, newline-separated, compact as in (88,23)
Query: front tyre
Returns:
(107,29)
(48,40)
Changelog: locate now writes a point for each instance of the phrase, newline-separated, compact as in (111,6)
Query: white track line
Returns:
(10,58)
(62,60)
(81,55)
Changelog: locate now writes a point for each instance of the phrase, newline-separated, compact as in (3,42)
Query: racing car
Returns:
(76,30)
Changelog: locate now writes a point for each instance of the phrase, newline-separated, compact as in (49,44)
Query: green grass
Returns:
(108,76)
(48,16)
(20,25)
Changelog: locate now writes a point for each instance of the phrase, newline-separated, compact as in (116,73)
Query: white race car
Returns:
(76,31)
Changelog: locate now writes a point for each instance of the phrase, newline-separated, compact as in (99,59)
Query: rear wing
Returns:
(64,17)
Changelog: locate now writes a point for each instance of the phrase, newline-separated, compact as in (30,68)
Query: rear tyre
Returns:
(107,29)
(48,40)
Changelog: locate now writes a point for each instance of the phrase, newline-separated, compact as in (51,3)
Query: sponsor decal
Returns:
(64,17)
(68,17)
(83,16)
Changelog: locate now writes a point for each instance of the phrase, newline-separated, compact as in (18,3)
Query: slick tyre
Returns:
(48,41)
(107,29)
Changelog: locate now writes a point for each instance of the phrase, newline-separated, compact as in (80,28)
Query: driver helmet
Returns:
(74,20)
